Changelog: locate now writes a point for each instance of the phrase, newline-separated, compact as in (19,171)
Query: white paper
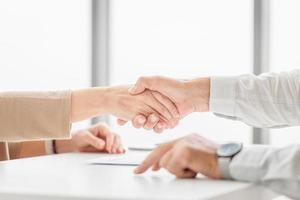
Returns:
(125,159)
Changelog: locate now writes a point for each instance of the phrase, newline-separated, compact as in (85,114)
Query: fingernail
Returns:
(141,120)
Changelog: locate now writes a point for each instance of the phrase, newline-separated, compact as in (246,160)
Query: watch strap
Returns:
(49,147)
(224,163)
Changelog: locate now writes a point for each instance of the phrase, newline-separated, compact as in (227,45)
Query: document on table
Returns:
(125,160)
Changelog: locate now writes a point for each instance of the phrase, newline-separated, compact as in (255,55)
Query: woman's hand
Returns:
(98,138)
(154,106)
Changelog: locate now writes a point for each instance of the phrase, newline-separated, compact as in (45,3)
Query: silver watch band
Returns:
(224,163)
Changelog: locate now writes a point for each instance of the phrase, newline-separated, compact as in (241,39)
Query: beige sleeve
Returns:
(34,115)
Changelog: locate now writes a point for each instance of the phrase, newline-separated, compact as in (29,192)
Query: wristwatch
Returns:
(225,154)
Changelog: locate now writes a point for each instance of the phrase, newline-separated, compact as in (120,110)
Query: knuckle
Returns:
(184,149)
(141,79)
(155,80)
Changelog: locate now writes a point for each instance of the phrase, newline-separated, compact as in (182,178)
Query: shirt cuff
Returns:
(248,164)
(222,95)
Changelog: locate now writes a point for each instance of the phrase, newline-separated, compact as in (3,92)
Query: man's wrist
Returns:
(225,154)
(199,93)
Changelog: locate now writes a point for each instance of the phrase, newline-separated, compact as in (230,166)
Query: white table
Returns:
(68,176)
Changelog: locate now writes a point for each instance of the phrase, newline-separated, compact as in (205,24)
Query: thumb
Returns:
(142,84)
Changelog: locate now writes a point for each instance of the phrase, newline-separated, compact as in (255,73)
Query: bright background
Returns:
(46,44)
(182,39)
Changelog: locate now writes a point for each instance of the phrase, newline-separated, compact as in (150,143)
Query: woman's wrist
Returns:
(64,146)
(88,103)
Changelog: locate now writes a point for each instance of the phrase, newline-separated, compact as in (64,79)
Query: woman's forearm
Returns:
(34,115)
(87,103)
(48,114)
(37,115)
(26,149)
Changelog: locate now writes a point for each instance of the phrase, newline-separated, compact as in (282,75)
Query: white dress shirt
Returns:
(268,101)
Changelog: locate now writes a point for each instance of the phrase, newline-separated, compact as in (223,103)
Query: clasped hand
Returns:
(184,157)
(161,102)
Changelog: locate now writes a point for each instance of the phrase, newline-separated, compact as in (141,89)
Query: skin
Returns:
(184,157)
(188,96)
(91,102)
(97,138)
(187,156)
(117,101)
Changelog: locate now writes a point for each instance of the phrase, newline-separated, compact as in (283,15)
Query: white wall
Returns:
(44,44)
(184,39)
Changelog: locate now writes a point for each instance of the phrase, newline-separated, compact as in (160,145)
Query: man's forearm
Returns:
(199,93)
(269,100)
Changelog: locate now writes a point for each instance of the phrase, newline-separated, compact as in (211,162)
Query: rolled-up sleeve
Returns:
(270,100)
(34,115)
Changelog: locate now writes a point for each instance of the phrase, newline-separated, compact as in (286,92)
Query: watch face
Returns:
(229,150)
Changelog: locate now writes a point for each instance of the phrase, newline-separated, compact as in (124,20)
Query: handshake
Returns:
(157,102)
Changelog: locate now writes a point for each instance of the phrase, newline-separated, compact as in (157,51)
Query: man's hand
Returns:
(188,96)
(153,106)
(98,138)
(184,157)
